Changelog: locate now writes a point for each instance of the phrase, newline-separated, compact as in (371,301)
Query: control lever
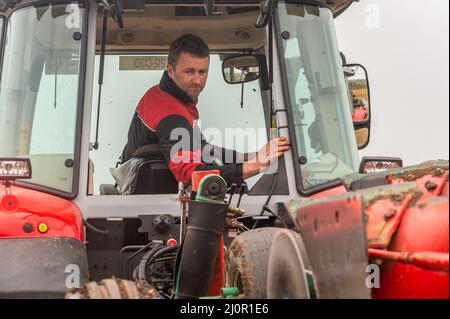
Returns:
(234,213)
(241,192)
(183,198)
(232,189)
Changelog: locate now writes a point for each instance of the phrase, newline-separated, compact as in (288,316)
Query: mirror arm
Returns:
(210,8)
(265,14)
(118,13)
(114,8)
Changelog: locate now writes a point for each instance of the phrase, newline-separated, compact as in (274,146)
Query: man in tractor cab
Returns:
(168,111)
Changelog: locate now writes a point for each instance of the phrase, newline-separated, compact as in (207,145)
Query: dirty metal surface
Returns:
(334,235)
(430,182)
(39,267)
(424,230)
(318,197)
(405,174)
(406,187)
(411,173)
(384,207)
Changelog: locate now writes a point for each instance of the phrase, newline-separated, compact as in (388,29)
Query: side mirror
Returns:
(359,96)
(240,69)
(377,164)
(362,137)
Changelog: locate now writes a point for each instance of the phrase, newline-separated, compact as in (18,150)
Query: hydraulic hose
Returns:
(149,257)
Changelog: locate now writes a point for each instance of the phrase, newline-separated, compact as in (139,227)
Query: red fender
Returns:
(24,210)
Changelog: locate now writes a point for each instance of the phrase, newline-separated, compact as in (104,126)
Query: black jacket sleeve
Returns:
(181,146)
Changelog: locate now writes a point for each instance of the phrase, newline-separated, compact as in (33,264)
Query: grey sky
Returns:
(404,45)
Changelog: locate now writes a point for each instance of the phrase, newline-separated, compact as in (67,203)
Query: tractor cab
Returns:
(72,74)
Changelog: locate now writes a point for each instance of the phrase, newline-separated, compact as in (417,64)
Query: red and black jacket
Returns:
(165,109)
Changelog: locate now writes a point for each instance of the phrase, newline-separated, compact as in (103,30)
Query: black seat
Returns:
(149,151)
(145,173)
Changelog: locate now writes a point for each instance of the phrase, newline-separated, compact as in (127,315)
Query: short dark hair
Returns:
(189,43)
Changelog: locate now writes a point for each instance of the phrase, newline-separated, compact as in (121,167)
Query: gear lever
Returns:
(232,189)
(241,192)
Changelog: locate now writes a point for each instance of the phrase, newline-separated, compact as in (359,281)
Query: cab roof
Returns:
(338,6)
(152,25)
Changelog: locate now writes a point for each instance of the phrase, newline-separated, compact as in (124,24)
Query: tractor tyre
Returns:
(114,288)
(247,262)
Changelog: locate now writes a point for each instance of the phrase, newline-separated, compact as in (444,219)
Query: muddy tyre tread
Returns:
(248,257)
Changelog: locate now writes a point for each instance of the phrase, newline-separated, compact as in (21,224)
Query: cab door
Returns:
(2,23)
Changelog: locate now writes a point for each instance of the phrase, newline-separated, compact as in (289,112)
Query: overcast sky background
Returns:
(404,44)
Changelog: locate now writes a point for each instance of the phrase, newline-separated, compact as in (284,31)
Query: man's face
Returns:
(189,74)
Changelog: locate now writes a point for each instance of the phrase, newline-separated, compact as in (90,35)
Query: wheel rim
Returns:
(286,272)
